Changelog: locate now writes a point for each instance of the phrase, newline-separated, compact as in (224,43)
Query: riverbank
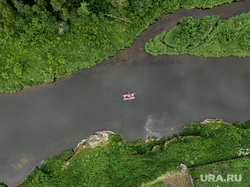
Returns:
(44,121)
(114,161)
(65,37)
(207,37)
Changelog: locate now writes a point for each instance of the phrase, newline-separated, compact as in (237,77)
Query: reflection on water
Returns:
(171,91)
(23,160)
(156,126)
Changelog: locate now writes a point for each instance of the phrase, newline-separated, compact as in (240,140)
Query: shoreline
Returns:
(100,140)
(63,78)
(129,42)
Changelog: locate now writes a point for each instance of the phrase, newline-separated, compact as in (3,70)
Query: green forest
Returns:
(121,163)
(41,40)
(207,37)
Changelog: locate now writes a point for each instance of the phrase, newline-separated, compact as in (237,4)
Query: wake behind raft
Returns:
(128,96)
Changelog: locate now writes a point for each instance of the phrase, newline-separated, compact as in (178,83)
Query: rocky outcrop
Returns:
(219,121)
(100,138)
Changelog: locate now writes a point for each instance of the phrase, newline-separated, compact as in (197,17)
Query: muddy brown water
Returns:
(171,91)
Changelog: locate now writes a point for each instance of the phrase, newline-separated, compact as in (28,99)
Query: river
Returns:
(171,91)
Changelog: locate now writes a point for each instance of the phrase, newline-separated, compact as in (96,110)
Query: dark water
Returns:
(171,91)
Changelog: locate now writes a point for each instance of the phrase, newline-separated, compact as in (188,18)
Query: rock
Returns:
(183,168)
(100,137)
(95,140)
(155,148)
(213,121)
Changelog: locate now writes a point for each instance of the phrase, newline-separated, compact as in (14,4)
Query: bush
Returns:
(242,125)
(193,129)
(2,184)
(36,178)
(54,164)
(115,138)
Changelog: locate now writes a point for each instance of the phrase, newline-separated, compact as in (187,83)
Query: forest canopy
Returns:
(207,37)
(41,40)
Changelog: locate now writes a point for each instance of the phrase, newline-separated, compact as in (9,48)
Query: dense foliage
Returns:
(2,184)
(122,163)
(41,40)
(188,4)
(234,167)
(206,37)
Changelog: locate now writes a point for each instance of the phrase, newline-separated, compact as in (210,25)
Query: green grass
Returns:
(240,168)
(158,184)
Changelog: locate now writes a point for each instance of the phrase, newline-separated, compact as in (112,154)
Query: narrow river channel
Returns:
(171,91)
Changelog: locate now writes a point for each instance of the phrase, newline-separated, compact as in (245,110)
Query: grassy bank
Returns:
(207,37)
(119,163)
(41,40)
(239,169)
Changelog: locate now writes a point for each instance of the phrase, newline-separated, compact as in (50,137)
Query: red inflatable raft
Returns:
(128,96)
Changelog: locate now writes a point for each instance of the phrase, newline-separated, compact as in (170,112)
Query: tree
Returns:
(141,7)
(65,14)
(7,13)
(57,4)
(83,9)
(22,8)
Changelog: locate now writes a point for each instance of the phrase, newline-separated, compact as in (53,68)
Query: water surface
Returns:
(171,91)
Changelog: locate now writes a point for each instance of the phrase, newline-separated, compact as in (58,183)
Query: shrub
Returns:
(242,125)
(193,129)
(115,138)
